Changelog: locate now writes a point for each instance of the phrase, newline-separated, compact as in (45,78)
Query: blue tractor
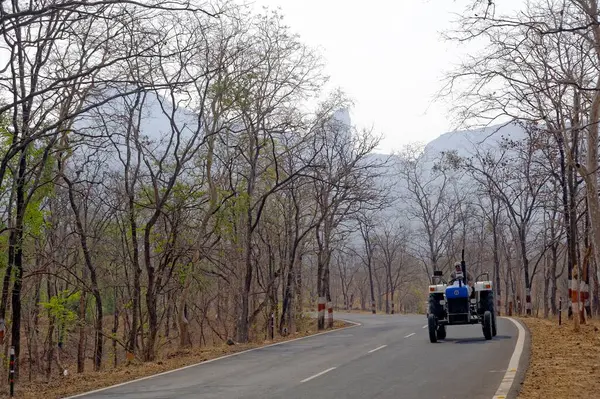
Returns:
(457,303)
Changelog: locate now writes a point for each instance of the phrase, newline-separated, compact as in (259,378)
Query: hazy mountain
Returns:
(113,117)
(464,142)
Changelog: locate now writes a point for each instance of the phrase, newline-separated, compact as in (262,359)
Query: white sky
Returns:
(387,55)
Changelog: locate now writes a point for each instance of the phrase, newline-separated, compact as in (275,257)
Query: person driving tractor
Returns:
(457,278)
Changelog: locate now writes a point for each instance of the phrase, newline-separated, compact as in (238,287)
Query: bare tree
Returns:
(538,67)
(278,70)
(58,60)
(519,185)
(344,184)
(366,226)
(392,240)
(429,199)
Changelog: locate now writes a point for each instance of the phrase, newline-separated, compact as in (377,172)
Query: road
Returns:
(384,357)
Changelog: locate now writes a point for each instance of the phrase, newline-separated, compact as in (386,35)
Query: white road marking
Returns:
(376,349)
(409,335)
(317,375)
(513,365)
(355,324)
(425,326)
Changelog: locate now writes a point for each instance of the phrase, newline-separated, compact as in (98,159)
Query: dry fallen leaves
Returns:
(563,363)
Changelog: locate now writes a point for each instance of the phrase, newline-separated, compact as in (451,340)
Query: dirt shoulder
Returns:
(73,384)
(563,364)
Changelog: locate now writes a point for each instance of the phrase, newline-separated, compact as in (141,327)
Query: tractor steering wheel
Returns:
(455,279)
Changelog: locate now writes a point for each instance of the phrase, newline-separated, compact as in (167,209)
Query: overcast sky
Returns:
(387,55)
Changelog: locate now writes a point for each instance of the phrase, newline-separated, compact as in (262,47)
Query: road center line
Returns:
(317,375)
(409,335)
(376,349)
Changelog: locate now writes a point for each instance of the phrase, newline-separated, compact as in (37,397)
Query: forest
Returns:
(173,174)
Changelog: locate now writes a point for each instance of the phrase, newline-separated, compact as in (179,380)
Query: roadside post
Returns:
(560,311)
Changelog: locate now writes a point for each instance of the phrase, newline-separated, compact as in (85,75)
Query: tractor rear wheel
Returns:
(487,325)
(432,324)
(490,306)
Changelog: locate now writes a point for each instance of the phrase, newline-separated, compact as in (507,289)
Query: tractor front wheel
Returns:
(494,331)
(441,332)
(432,324)
(487,325)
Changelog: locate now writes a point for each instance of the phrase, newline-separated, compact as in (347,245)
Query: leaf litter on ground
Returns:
(563,363)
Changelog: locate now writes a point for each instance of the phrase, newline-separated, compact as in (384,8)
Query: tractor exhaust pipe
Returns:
(463,265)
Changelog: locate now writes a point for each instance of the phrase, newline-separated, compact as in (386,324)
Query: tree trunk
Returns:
(7,278)
(569,199)
(243,327)
(130,181)
(36,324)
(322,274)
(554,279)
(590,174)
(18,260)
(373,304)
(525,260)
(507,286)
(98,348)
(137,292)
(546,289)
(327,292)
(273,316)
(115,329)
(50,335)
(81,343)
(586,306)
(151,290)
(288,302)
(495,250)
(149,349)
(169,314)
(387,301)
(575,298)
(299,296)
(185,340)
(392,285)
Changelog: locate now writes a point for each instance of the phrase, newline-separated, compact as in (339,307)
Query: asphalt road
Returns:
(385,357)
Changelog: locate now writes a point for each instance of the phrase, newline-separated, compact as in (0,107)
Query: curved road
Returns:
(383,357)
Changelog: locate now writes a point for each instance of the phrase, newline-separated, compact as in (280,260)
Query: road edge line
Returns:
(513,370)
(79,395)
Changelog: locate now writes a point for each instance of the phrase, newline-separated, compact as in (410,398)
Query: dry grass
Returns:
(563,364)
(78,383)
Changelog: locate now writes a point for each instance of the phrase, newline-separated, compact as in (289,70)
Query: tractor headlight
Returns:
(442,302)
